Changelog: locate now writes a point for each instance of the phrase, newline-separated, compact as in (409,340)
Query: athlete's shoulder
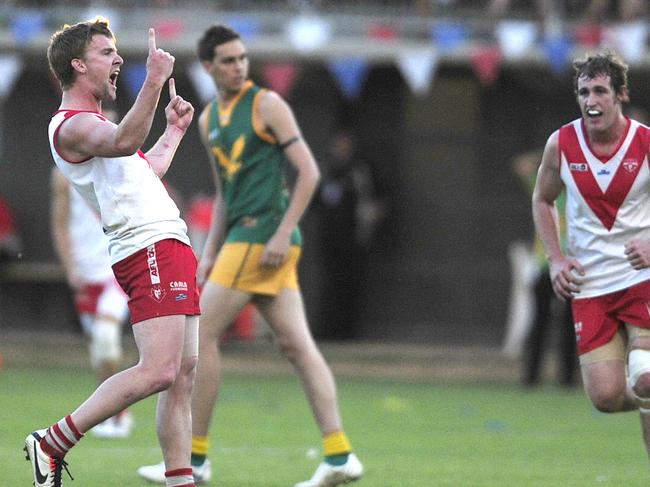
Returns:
(553,140)
(204,117)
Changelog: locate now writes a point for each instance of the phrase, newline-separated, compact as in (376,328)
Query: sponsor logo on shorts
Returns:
(152,263)
(181,297)
(178,286)
(578,166)
(157,292)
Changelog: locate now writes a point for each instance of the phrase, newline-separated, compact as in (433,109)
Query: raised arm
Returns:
(278,119)
(179,115)
(86,135)
(565,271)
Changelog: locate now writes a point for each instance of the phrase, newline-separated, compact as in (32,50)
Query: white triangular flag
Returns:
(418,69)
(516,37)
(202,82)
(306,33)
(10,67)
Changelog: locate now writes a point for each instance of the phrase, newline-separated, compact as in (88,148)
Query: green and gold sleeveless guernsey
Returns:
(251,166)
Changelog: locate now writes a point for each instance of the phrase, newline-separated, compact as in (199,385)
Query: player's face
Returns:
(229,67)
(103,66)
(599,104)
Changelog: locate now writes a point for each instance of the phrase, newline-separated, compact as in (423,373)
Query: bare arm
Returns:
(179,115)
(637,252)
(547,188)
(278,118)
(215,235)
(85,135)
(59,219)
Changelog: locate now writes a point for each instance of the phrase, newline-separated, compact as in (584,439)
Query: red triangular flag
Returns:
(169,28)
(280,77)
(589,34)
(486,62)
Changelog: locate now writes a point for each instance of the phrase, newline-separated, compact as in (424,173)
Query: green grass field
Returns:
(419,433)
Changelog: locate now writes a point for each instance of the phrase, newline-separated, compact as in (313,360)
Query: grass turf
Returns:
(406,434)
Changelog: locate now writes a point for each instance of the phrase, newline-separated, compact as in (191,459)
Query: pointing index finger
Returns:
(172,88)
(152,39)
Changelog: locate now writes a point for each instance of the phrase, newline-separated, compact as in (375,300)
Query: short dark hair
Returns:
(213,37)
(604,63)
(70,43)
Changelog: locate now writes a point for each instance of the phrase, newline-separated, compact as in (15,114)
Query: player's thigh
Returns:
(160,340)
(605,381)
(219,308)
(285,314)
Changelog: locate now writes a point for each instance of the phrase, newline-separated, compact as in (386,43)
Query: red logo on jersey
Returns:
(630,165)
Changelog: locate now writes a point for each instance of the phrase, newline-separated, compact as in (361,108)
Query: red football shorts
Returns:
(597,319)
(160,280)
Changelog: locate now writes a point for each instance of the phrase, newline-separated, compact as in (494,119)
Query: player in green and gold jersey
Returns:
(253,247)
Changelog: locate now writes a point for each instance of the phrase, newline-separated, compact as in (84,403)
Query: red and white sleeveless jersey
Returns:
(88,244)
(608,204)
(136,210)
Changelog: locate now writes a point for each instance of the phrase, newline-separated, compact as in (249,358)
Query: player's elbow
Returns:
(126,147)
(126,144)
(313,176)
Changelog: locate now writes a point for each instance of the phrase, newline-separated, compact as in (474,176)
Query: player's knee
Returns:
(162,379)
(639,373)
(105,343)
(607,403)
(160,373)
(291,350)
(188,365)
(607,397)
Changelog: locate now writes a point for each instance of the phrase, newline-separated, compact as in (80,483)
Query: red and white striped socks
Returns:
(181,477)
(60,438)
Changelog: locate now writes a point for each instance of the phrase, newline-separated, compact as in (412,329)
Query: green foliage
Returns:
(406,434)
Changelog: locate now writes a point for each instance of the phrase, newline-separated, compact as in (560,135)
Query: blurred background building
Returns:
(438,95)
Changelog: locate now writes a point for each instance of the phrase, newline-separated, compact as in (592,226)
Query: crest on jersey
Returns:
(630,165)
(578,166)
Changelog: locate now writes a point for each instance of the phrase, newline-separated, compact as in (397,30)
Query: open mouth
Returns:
(593,113)
(113,78)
